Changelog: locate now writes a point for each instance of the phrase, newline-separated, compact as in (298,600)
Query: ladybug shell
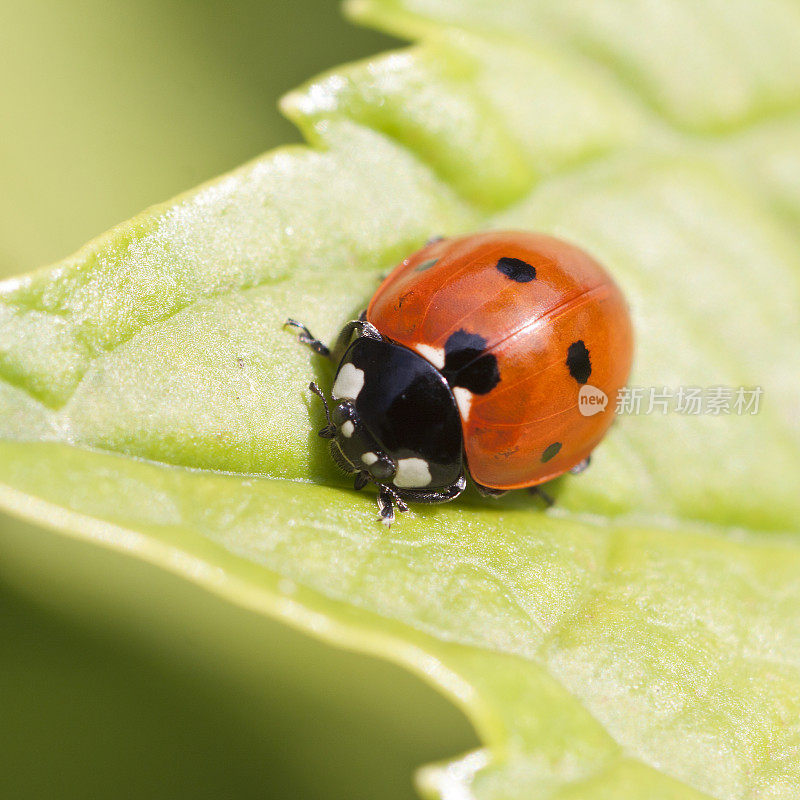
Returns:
(517,322)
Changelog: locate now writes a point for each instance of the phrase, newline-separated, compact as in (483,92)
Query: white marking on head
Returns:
(347,428)
(434,354)
(412,472)
(463,400)
(369,458)
(348,383)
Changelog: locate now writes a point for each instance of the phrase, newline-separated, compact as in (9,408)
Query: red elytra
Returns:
(553,319)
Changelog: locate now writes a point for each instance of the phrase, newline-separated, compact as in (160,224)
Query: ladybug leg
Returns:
(581,466)
(362,479)
(436,495)
(361,326)
(537,491)
(329,431)
(400,503)
(306,337)
(387,499)
(344,338)
(433,240)
(385,509)
(487,491)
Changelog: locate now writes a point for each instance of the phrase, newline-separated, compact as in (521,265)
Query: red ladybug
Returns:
(471,356)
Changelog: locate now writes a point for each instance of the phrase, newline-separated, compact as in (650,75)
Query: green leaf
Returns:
(641,638)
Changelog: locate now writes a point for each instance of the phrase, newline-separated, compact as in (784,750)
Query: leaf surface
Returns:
(640,639)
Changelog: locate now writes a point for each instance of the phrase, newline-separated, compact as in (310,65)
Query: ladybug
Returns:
(471,357)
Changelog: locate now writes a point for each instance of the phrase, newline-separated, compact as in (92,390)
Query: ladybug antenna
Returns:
(329,431)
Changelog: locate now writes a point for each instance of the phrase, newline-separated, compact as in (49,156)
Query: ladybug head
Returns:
(353,447)
(396,421)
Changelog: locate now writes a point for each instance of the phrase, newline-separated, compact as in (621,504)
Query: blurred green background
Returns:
(110,107)
(117,679)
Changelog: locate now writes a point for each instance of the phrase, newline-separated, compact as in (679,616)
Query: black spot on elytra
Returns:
(578,363)
(467,364)
(516,269)
(551,451)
